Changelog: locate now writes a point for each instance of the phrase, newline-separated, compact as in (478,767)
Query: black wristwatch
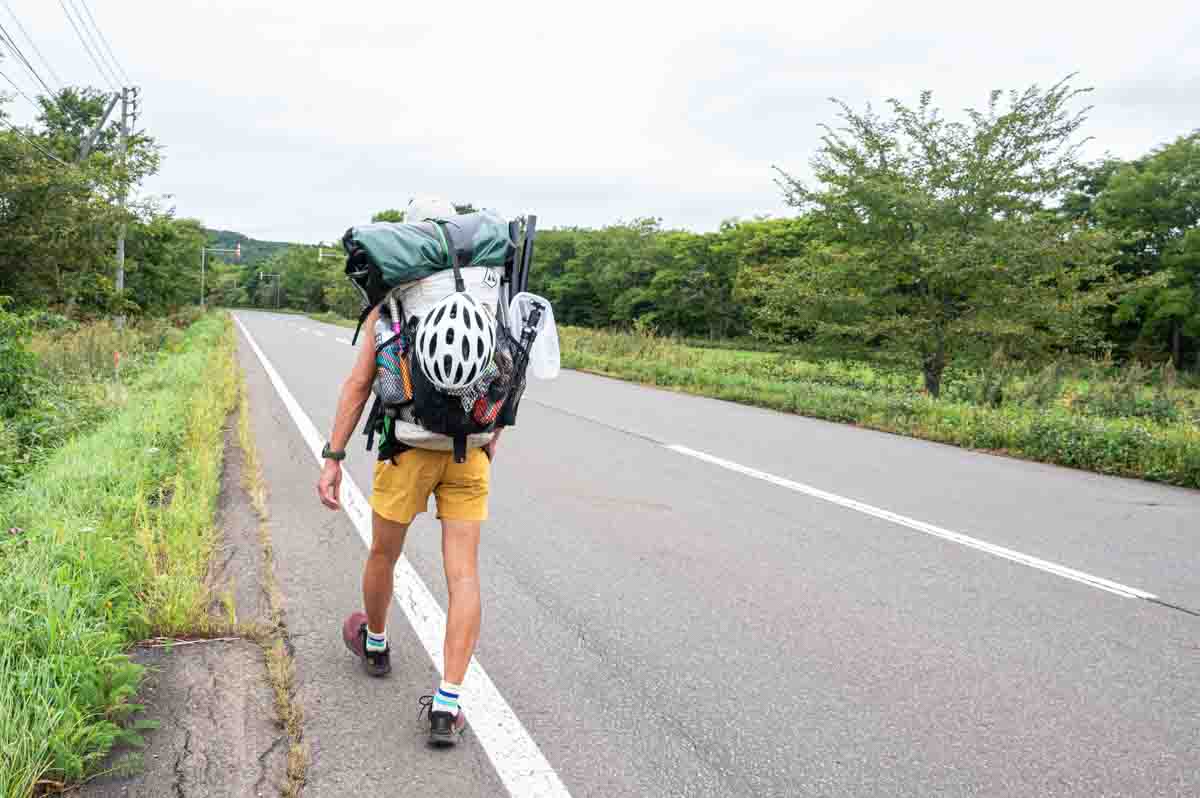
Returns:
(330,454)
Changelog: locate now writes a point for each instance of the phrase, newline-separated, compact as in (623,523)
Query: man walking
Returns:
(400,490)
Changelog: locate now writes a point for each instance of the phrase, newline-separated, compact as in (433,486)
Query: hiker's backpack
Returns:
(406,268)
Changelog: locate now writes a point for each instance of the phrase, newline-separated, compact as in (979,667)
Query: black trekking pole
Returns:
(528,333)
(508,279)
(522,282)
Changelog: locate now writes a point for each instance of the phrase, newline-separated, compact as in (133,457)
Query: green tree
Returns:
(766,252)
(302,278)
(68,117)
(937,238)
(676,281)
(163,263)
(691,290)
(338,294)
(226,285)
(58,218)
(56,222)
(389,215)
(1153,203)
(598,277)
(1080,202)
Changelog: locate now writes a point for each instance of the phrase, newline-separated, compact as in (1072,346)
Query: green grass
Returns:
(104,543)
(334,318)
(76,383)
(1097,416)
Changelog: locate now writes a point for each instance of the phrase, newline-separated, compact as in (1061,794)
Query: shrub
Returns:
(18,365)
(1117,426)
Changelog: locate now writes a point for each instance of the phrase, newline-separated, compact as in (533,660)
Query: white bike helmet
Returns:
(422,208)
(455,342)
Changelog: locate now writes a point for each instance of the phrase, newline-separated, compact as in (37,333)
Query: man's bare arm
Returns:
(356,390)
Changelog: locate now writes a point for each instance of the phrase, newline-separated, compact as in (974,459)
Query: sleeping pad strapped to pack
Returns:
(384,260)
(383,255)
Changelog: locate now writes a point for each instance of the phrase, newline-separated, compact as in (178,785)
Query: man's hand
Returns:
(490,449)
(330,484)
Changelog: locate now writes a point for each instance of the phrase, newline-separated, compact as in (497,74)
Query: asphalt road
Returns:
(667,625)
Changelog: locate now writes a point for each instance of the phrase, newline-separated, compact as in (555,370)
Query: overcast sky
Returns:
(294,120)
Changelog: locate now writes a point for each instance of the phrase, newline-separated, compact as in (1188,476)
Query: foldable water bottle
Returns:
(543,356)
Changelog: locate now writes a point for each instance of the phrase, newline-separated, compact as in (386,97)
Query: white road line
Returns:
(343,341)
(517,759)
(921,526)
(886,515)
(302,329)
(318,333)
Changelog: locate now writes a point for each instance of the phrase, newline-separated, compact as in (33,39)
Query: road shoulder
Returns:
(212,700)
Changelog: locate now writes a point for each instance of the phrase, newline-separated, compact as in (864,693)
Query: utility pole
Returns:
(124,143)
(236,252)
(262,275)
(128,98)
(89,141)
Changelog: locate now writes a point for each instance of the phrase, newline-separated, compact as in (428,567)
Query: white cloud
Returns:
(295,120)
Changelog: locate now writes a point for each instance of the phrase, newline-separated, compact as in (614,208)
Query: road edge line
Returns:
(1012,555)
(1108,585)
(518,760)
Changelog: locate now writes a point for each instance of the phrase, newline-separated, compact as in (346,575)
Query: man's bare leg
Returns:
(460,554)
(387,543)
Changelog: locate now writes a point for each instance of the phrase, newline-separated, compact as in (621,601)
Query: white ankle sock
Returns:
(446,698)
(376,642)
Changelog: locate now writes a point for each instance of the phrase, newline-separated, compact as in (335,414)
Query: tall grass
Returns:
(1130,421)
(104,543)
(76,383)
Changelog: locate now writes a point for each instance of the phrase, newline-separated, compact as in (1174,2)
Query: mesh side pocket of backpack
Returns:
(393,375)
(507,389)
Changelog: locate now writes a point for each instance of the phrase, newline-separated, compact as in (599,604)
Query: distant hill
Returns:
(254,252)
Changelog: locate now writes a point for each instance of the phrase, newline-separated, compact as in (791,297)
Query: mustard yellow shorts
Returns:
(401,491)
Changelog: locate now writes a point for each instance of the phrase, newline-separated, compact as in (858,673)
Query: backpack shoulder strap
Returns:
(369,429)
(362,317)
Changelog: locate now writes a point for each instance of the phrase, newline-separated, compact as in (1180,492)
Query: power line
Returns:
(95,42)
(11,44)
(7,40)
(120,71)
(34,144)
(111,84)
(32,44)
(13,83)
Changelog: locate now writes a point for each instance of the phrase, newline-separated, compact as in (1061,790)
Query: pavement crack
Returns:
(179,760)
(1176,607)
(630,432)
(263,767)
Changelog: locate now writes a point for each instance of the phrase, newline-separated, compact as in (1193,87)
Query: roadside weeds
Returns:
(281,671)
